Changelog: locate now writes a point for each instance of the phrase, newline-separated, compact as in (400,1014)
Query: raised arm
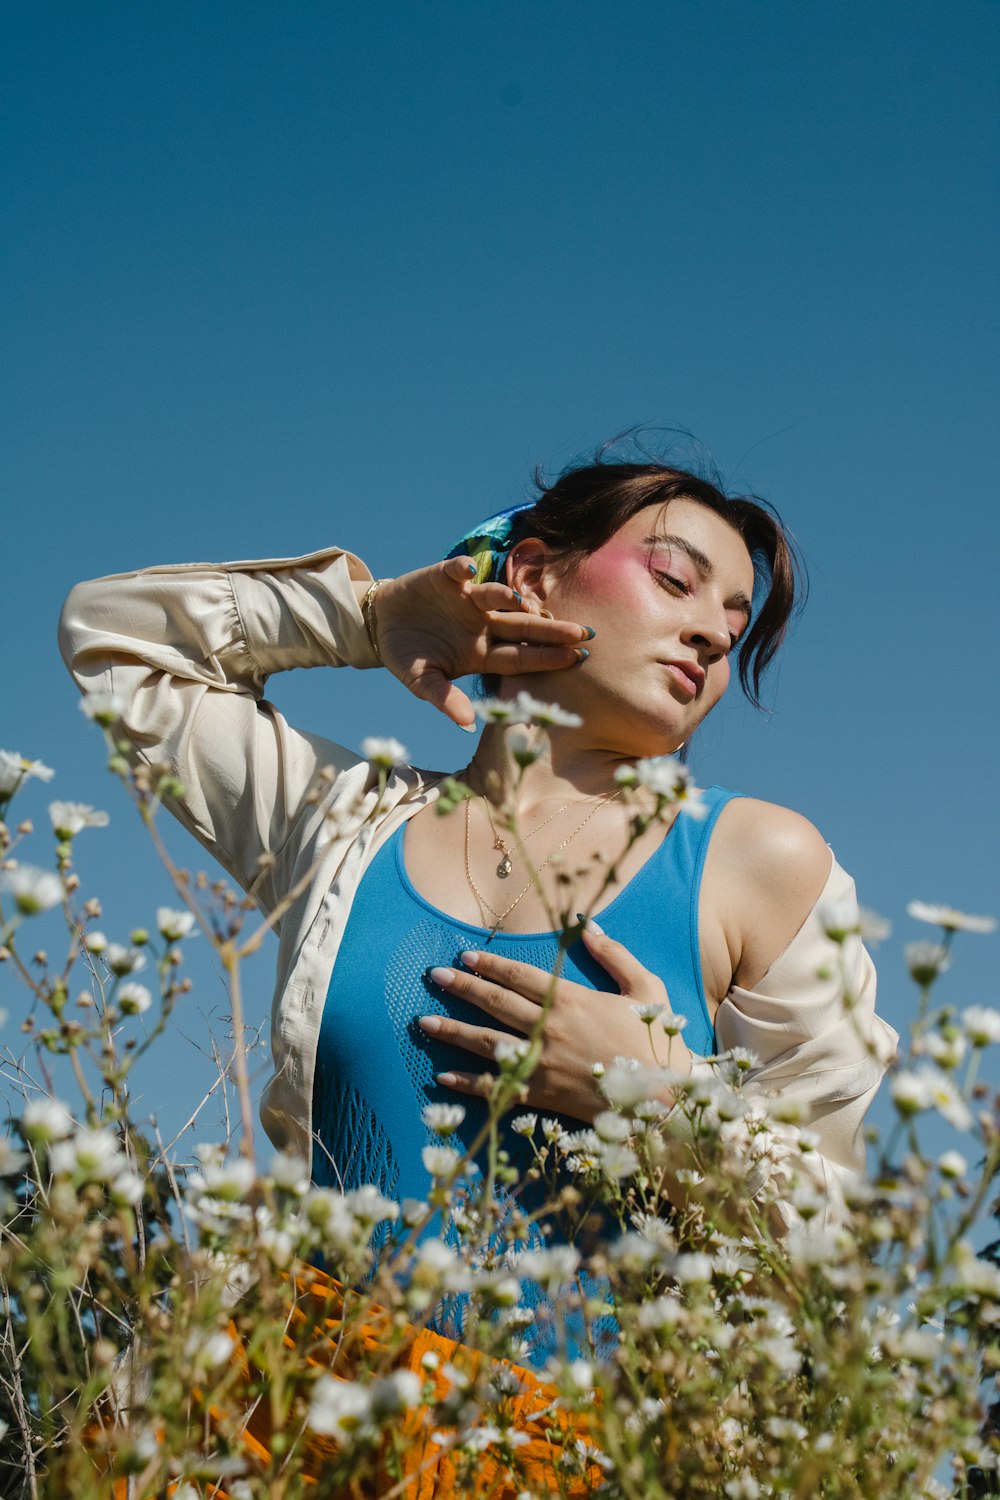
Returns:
(187,649)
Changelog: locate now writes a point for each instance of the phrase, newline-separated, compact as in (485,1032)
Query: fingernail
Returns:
(469,728)
(581,653)
(591,632)
(448,1079)
(443,977)
(546,614)
(589,925)
(472,569)
(517,596)
(429,1023)
(469,959)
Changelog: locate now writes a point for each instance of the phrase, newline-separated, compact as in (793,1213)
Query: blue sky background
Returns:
(281,276)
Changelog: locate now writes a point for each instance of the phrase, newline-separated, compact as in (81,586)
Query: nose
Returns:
(707,631)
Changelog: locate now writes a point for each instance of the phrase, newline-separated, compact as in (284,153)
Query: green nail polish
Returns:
(472,569)
(591,632)
(517,596)
(581,653)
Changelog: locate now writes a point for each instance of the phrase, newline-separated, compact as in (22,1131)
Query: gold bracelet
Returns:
(368,615)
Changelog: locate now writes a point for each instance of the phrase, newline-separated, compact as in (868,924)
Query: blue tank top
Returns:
(375,1067)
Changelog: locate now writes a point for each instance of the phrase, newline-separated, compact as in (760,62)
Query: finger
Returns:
(475,1039)
(506,975)
(522,657)
(627,972)
(461,569)
(478,1084)
(512,625)
(497,596)
(435,688)
(499,1004)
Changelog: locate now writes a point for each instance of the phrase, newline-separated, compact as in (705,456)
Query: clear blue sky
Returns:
(280,276)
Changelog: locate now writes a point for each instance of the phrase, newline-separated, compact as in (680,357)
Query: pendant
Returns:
(504,867)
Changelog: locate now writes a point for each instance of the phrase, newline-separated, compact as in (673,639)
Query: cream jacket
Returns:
(188,650)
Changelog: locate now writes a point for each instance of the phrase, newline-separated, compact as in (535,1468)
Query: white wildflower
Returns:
(523,746)
(11,1160)
(290,1174)
(228,1181)
(648,1011)
(32,890)
(910,1092)
(785,1427)
(947,1050)
(610,1126)
(95,942)
(121,960)
(103,708)
(174,925)
(524,1124)
(440,1160)
(94,1155)
(509,1053)
(874,928)
(208,1349)
(71,818)
(550,1267)
(443,1119)
(946,1099)
(340,1409)
(673,1024)
(394,1394)
(811,1246)
(627,1083)
(952,1164)
(126,1188)
(982,1025)
(660,1315)
(618,1162)
(369,1205)
(691,1267)
(524,709)
(926,961)
(671,782)
(840,919)
(915,1346)
(384,753)
(950,919)
(133,999)
(580,1376)
(16,768)
(46,1120)
(742,1487)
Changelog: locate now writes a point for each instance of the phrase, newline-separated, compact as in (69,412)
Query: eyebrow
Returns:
(703,565)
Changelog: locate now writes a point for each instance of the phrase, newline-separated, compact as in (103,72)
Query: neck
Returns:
(567,769)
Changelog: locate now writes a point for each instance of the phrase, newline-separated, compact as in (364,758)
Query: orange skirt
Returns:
(411,1465)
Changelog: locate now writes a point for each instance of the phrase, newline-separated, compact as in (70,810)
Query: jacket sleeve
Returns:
(812,1045)
(187,650)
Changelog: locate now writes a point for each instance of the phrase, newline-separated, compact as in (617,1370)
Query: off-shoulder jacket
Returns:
(188,649)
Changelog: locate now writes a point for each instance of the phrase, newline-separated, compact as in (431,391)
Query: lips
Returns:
(688,674)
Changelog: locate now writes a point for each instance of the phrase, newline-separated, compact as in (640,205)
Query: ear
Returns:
(529,571)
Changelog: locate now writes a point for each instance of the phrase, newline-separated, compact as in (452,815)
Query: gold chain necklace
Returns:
(482,903)
(506,864)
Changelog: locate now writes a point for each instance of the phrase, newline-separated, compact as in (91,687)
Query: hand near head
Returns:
(436,624)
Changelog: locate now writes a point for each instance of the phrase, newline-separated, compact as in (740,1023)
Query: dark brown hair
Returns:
(587,504)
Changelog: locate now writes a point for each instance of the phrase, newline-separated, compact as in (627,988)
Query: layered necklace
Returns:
(506,863)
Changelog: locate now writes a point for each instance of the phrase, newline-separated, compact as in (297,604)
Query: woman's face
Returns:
(669,597)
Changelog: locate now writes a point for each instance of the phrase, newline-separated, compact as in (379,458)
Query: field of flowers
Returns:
(164,1332)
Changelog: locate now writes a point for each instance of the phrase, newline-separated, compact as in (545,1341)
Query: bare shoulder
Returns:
(770,867)
(772,846)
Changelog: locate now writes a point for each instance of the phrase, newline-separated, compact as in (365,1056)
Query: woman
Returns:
(417,941)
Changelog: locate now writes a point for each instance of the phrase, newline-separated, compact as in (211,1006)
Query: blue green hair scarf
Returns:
(489,542)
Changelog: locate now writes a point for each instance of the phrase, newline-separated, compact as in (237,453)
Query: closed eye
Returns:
(678,583)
